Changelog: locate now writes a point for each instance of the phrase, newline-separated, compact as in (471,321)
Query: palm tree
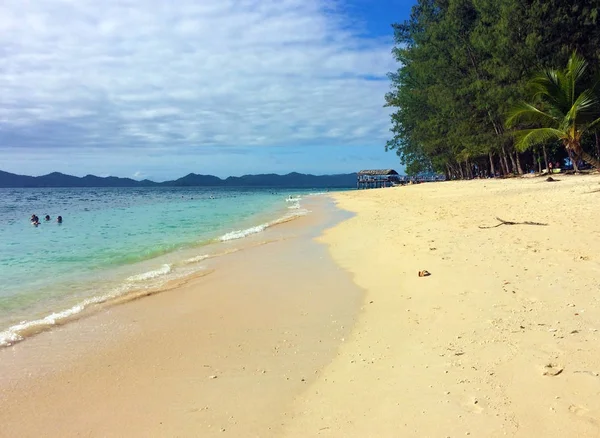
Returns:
(562,108)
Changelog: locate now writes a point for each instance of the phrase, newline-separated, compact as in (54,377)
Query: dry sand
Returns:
(501,340)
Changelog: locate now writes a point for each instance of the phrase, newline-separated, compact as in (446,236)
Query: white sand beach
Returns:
(501,340)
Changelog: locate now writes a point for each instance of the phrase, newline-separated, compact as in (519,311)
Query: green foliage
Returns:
(563,107)
(463,64)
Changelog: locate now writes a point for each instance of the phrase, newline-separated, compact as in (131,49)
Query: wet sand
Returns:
(501,340)
(225,354)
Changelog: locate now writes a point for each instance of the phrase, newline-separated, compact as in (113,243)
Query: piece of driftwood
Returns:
(503,222)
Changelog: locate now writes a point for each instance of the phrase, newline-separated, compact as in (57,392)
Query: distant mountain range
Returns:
(291,180)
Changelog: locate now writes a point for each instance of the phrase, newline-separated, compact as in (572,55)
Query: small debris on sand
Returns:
(552,370)
(424,274)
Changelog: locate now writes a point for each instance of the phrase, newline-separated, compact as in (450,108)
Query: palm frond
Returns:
(559,106)
(576,68)
(591,126)
(583,106)
(550,86)
(524,112)
(527,138)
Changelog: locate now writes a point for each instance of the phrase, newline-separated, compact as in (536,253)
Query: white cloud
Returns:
(127,73)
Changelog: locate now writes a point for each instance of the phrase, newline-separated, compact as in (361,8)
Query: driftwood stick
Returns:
(503,222)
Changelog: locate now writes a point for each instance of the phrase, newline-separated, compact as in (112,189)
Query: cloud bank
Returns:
(184,75)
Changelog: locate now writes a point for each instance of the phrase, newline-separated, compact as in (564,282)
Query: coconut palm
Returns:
(562,108)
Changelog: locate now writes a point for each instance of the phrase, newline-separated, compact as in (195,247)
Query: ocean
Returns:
(116,241)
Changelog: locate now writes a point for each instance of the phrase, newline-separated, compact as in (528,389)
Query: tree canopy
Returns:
(463,64)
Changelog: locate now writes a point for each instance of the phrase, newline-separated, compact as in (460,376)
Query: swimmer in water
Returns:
(47,218)
(59,219)
(35,220)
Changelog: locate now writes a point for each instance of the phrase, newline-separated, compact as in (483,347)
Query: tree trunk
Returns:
(454,172)
(519,168)
(573,159)
(546,157)
(539,162)
(504,161)
(492,167)
(591,160)
(512,161)
(503,166)
(597,145)
(469,169)
(460,169)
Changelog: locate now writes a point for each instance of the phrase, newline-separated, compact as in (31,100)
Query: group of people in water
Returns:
(35,221)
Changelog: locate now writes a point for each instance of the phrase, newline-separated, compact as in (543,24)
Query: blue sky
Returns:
(157,89)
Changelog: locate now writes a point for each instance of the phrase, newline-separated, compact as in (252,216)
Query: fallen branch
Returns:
(503,222)
(591,373)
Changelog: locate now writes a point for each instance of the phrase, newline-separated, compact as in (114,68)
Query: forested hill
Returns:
(291,180)
(463,64)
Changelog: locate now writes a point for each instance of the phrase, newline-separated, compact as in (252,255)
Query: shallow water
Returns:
(114,240)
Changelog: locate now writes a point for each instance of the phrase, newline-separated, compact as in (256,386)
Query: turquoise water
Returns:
(112,241)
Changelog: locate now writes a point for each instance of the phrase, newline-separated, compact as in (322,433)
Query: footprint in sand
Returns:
(552,369)
(580,411)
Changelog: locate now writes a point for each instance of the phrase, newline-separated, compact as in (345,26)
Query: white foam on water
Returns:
(163,270)
(19,331)
(298,211)
(22,330)
(197,259)
(239,234)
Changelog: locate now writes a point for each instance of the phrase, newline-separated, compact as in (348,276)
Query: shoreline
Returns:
(158,273)
(327,330)
(225,354)
(500,340)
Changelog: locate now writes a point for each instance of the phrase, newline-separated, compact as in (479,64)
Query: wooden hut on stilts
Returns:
(377,178)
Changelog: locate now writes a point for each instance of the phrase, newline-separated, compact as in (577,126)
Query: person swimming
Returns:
(35,220)
(59,219)
(47,218)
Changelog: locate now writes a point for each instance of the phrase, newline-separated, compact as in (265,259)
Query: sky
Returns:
(158,88)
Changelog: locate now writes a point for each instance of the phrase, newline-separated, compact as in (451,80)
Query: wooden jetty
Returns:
(379,178)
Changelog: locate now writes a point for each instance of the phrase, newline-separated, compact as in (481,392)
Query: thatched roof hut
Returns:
(377,172)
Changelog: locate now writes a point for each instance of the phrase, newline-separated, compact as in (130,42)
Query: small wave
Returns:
(295,205)
(197,259)
(163,270)
(20,331)
(239,234)
(123,293)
